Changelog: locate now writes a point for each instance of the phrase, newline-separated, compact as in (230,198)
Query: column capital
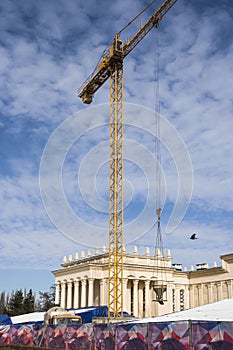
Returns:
(135,282)
(69,283)
(84,281)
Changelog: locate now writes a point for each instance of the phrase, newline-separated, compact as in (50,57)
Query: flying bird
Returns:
(193,236)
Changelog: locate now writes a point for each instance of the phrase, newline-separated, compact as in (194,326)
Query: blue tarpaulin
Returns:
(88,313)
(5,319)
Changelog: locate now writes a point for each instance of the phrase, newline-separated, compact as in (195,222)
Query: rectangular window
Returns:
(143,299)
(131,300)
(173,300)
(181,299)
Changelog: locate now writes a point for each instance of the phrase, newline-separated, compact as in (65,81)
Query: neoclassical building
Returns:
(83,281)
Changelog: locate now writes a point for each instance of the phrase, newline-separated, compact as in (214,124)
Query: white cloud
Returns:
(48,50)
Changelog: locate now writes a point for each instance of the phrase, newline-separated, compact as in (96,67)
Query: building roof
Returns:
(28,318)
(219,311)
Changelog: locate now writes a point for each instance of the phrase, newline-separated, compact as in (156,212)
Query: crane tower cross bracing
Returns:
(111,66)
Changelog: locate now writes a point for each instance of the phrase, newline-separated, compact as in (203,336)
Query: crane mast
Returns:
(116,210)
(111,66)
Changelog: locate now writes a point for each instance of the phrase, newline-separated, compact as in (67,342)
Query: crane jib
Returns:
(117,53)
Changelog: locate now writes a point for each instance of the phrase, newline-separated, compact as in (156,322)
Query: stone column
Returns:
(210,291)
(69,294)
(57,293)
(205,294)
(147,299)
(191,297)
(125,295)
(186,298)
(83,292)
(140,301)
(106,291)
(200,294)
(194,304)
(63,295)
(101,292)
(135,298)
(229,289)
(169,303)
(90,291)
(76,294)
(219,291)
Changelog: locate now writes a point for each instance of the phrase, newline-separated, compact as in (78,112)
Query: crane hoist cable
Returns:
(160,284)
(157,146)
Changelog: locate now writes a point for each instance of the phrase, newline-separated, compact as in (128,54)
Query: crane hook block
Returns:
(87,97)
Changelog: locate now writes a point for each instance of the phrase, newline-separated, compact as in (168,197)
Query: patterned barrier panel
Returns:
(79,337)
(54,337)
(5,338)
(39,339)
(151,336)
(17,335)
(104,337)
(57,337)
(23,336)
(212,335)
(131,336)
(169,336)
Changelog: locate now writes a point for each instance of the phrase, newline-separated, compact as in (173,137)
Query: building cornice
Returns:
(208,272)
(101,262)
(141,262)
(227,257)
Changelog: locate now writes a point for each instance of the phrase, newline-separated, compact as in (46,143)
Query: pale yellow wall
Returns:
(199,287)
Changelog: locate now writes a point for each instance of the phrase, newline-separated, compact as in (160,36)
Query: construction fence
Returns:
(178,335)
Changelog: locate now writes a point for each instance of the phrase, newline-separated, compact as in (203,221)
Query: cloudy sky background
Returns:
(47,50)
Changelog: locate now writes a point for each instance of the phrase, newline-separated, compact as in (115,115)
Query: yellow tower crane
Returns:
(111,66)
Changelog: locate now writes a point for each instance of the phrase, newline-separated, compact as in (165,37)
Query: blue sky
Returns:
(47,50)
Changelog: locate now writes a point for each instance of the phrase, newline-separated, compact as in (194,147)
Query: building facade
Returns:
(84,282)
